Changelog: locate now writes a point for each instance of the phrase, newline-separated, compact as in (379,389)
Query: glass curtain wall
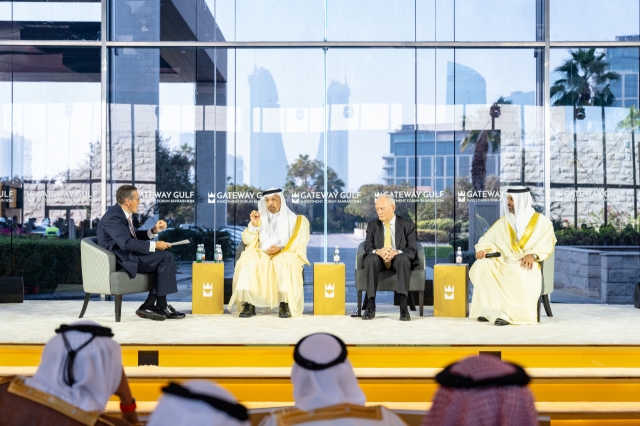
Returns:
(208,103)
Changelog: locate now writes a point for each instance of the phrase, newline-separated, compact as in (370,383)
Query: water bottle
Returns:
(459,256)
(336,256)
(199,254)
(202,250)
(218,253)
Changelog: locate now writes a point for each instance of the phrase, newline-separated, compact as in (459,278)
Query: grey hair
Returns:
(388,197)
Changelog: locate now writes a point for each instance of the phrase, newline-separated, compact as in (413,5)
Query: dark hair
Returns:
(124,192)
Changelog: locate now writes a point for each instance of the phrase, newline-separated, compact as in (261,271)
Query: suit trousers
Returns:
(373,264)
(164,266)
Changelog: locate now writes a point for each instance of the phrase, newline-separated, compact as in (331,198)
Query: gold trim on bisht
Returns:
(294,236)
(295,416)
(526,235)
(18,387)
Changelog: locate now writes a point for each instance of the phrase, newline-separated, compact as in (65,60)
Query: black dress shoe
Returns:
(283,311)
(151,312)
(500,321)
(404,315)
(249,310)
(171,313)
(369,314)
(482,319)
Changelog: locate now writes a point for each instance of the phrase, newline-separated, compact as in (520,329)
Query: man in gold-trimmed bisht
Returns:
(326,390)
(268,274)
(506,288)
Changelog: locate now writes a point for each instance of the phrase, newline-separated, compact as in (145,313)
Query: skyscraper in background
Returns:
(465,85)
(235,169)
(624,61)
(268,159)
(337,140)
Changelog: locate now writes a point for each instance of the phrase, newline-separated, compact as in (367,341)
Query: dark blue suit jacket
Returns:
(114,235)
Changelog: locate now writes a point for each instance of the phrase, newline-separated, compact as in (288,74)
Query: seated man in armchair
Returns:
(506,288)
(269,272)
(390,244)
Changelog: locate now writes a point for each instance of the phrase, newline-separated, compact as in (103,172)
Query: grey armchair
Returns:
(99,276)
(387,280)
(548,269)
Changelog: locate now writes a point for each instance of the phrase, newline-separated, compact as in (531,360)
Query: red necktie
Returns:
(131,228)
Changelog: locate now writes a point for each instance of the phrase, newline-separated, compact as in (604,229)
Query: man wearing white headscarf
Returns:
(198,402)
(326,390)
(269,272)
(506,288)
(81,368)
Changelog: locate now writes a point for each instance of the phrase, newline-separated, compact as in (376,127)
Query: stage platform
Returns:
(34,322)
(584,361)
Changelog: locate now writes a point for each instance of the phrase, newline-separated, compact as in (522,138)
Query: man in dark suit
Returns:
(135,252)
(390,244)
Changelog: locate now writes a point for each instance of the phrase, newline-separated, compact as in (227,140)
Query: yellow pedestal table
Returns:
(207,288)
(450,290)
(329,288)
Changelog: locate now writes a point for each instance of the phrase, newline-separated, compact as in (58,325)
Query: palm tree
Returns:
(632,123)
(481,139)
(585,81)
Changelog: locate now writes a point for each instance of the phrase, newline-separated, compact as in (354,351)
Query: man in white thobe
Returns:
(268,274)
(326,390)
(198,402)
(506,288)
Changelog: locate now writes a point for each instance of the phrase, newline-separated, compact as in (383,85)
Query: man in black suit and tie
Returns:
(391,244)
(135,252)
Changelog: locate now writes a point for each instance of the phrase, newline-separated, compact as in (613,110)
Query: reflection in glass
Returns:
(593,123)
(495,20)
(49,161)
(481,131)
(594,20)
(276,20)
(371,20)
(163,20)
(52,20)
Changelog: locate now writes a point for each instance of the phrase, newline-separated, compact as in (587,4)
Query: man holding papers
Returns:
(135,252)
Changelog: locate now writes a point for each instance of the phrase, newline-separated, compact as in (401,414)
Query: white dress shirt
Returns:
(152,244)
(392,229)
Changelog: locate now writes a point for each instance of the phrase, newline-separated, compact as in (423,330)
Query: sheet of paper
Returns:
(179,243)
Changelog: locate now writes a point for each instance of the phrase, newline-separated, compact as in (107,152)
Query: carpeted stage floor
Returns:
(33,322)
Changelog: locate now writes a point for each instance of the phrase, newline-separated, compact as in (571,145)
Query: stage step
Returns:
(360,356)
(594,384)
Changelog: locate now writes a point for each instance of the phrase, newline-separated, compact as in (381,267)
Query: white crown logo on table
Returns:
(205,287)
(329,290)
(447,290)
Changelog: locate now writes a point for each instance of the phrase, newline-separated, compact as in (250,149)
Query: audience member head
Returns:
(322,375)
(198,402)
(482,390)
(81,365)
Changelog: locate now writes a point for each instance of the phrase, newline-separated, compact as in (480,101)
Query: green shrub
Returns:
(605,236)
(441,251)
(43,262)
(432,236)
(445,225)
